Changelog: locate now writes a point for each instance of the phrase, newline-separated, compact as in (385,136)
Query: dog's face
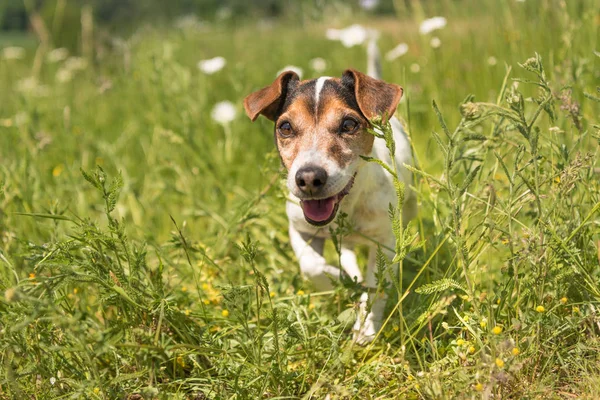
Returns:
(321,132)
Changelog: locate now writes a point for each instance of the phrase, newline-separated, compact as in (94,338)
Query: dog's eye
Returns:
(348,125)
(285,129)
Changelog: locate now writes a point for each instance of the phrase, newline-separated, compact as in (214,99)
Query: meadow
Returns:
(143,237)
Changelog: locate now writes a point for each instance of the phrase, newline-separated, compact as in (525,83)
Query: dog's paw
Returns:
(367,325)
(365,331)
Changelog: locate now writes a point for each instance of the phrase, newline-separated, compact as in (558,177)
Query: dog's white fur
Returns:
(367,208)
(366,204)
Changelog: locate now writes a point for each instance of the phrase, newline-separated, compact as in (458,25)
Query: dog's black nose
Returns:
(311,179)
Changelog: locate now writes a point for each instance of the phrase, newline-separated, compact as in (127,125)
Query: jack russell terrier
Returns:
(321,132)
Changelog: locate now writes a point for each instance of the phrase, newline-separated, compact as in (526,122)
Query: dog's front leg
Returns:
(369,322)
(309,251)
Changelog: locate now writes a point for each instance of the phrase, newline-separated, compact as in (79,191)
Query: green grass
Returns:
(168,272)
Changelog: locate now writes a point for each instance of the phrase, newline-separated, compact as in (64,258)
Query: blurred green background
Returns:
(120,84)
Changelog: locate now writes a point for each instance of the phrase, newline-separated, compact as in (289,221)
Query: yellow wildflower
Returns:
(563,300)
(497,330)
(516,351)
(479,387)
(96,390)
(540,309)
(460,342)
(300,293)
(576,310)
(180,361)
(483,323)
(499,363)
(184,289)
(32,276)
(206,301)
(56,171)
(472,350)
(225,313)
(272,294)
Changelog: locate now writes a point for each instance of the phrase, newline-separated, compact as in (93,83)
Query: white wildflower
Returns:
(368,4)
(396,52)
(21,119)
(415,68)
(432,24)
(27,84)
(13,53)
(223,112)
(188,22)
(58,55)
(492,60)
(52,380)
(212,65)
(350,36)
(76,63)
(318,64)
(64,75)
(435,42)
(293,68)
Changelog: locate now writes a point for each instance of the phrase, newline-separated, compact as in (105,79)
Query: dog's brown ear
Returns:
(267,101)
(374,97)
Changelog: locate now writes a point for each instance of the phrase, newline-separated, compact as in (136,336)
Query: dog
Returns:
(321,133)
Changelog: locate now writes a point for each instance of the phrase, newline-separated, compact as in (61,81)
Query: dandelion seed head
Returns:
(492,60)
(435,42)
(52,380)
(415,68)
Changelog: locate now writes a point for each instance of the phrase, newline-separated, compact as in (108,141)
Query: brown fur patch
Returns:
(319,124)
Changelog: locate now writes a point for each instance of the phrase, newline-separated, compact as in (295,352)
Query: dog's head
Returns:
(321,132)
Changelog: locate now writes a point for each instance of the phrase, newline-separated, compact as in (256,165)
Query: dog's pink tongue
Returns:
(318,210)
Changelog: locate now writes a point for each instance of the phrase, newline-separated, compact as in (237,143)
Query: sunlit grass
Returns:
(169,271)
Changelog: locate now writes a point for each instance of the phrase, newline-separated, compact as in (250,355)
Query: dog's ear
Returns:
(374,97)
(267,101)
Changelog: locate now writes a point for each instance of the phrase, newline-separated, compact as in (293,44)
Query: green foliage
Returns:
(143,246)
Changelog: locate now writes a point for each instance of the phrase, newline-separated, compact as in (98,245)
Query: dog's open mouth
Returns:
(320,212)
